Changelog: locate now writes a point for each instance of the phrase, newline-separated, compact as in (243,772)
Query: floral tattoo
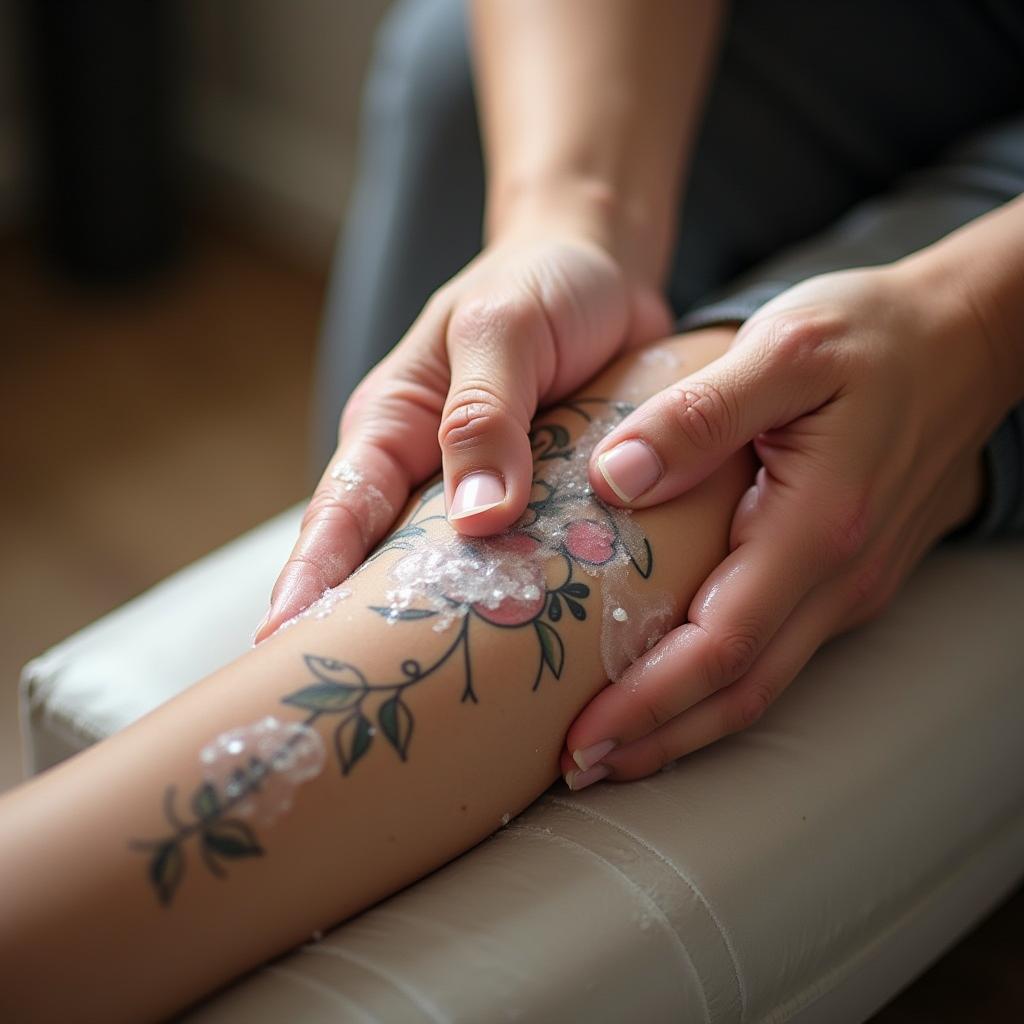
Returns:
(357,709)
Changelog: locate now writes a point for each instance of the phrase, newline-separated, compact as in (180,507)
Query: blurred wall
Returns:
(272,95)
(12,143)
(273,103)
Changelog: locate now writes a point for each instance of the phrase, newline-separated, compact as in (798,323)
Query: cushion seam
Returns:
(555,837)
(589,812)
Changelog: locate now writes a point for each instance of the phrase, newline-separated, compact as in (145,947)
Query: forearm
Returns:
(979,272)
(478,714)
(588,108)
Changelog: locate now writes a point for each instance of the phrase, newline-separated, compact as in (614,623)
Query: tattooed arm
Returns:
(388,731)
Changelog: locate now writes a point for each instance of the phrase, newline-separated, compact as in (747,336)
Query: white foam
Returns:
(347,475)
(321,608)
(255,769)
(503,578)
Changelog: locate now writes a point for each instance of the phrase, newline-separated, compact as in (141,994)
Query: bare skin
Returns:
(588,110)
(868,396)
(114,878)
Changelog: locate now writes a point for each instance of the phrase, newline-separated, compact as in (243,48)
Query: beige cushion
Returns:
(804,870)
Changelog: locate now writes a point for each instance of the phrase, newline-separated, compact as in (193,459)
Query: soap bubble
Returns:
(256,768)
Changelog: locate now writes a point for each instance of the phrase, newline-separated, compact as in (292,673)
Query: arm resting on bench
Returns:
(403,726)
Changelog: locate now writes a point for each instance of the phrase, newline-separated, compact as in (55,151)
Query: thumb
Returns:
(502,357)
(771,376)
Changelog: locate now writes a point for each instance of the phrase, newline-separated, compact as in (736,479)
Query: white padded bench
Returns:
(805,870)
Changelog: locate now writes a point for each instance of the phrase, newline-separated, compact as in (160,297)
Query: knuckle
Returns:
(472,412)
(325,507)
(307,569)
(643,757)
(660,754)
(800,336)
(657,712)
(733,654)
(418,393)
(480,318)
(703,413)
(751,705)
(319,506)
(383,401)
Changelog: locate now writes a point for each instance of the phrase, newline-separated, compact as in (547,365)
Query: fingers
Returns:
(388,445)
(776,372)
(784,547)
(740,705)
(737,612)
(354,504)
(728,710)
(502,358)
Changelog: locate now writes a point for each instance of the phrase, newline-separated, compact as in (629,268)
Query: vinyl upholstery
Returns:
(806,869)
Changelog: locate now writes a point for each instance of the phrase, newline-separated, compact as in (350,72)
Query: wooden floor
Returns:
(140,430)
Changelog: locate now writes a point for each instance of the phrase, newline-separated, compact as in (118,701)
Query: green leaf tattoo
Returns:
(231,839)
(396,721)
(552,651)
(166,869)
(324,697)
(404,614)
(219,837)
(352,739)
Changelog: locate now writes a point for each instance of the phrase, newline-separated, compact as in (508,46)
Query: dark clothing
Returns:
(835,136)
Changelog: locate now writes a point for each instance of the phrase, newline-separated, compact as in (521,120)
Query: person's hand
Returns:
(525,323)
(868,396)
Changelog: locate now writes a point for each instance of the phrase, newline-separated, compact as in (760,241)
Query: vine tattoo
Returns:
(358,709)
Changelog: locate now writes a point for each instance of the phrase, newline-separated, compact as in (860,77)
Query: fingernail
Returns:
(580,780)
(589,756)
(630,469)
(476,493)
(256,631)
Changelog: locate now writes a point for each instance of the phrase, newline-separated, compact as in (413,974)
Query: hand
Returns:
(868,397)
(525,323)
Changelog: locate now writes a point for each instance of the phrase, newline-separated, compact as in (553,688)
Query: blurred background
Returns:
(172,177)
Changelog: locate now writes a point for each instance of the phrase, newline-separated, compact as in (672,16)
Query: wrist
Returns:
(584,208)
(954,297)
(975,275)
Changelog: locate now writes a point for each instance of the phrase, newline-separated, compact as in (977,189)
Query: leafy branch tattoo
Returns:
(565,528)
